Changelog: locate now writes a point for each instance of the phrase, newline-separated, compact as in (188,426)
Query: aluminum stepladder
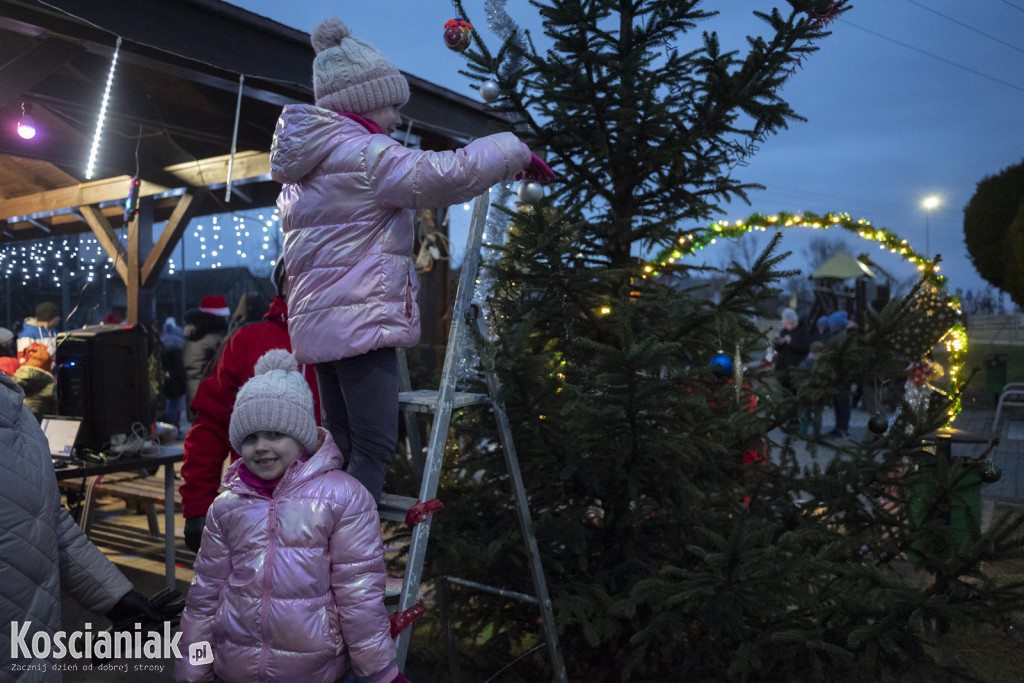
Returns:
(441,403)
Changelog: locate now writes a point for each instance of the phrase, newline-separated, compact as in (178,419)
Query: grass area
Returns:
(989,653)
(983,390)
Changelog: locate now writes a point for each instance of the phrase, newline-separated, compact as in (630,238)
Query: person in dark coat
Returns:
(172,360)
(791,346)
(205,329)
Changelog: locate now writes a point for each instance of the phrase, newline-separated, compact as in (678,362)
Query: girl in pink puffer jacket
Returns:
(347,203)
(289,579)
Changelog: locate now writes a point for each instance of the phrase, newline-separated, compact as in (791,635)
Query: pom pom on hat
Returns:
(214,305)
(350,75)
(329,34)
(276,399)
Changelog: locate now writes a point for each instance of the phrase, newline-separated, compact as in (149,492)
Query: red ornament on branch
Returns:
(924,371)
(829,11)
(457,33)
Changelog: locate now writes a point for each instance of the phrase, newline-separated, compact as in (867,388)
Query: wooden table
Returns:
(165,456)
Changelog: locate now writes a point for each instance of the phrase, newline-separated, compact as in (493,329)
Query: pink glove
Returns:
(536,170)
(401,679)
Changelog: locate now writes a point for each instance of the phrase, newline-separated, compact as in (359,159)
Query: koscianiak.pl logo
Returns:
(62,650)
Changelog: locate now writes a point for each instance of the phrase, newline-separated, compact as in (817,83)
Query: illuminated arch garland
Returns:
(955,339)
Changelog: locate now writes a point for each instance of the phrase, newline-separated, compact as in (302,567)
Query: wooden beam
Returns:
(108,240)
(76,195)
(170,236)
(214,170)
(199,173)
(132,283)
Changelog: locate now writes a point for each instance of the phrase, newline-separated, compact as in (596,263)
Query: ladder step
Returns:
(493,589)
(425,400)
(394,507)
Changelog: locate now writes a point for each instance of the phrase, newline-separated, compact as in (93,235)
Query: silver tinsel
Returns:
(917,399)
(505,28)
(495,232)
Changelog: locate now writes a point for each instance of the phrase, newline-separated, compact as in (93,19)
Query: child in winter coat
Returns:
(347,204)
(289,581)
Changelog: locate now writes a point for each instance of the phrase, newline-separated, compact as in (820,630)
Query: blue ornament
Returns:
(721,364)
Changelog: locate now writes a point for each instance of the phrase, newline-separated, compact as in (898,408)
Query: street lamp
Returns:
(928,203)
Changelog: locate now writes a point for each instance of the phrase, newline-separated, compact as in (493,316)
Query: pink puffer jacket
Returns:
(291,587)
(347,216)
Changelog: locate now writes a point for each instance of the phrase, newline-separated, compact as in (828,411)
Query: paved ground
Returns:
(1008,454)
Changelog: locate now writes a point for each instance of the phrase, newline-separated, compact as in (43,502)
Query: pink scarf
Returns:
(264,487)
(364,122)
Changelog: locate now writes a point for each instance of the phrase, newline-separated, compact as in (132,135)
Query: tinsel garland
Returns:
(503,26)
(495,231)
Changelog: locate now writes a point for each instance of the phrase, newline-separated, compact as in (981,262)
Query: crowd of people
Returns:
(798,345)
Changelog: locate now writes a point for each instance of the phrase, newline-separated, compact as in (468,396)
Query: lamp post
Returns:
(928,203)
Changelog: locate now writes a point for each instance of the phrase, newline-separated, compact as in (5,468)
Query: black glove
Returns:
(194,532)
(151,613)
(132,607)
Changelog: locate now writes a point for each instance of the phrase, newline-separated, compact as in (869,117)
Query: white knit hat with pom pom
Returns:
(350,75)
(276,399)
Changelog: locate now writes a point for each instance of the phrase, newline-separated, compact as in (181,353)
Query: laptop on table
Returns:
(61,433)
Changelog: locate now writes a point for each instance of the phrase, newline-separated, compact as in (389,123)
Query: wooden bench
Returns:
(144,491)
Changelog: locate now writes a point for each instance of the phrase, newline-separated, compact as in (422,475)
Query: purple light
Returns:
(26,124)
(26,128)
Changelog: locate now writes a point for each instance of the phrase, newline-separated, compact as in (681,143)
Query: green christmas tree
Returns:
(681,538)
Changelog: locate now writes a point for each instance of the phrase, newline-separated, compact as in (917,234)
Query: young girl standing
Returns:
(289,580)
(347,203)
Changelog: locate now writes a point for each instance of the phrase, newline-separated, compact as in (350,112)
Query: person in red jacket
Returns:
(207,443)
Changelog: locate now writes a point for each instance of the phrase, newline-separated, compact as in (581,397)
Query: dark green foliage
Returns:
(988,216)
(1015,248)
(670,553)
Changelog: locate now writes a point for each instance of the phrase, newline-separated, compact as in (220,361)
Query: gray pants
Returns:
(359,407)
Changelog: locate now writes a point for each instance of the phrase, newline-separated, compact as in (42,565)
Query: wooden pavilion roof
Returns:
(170,118)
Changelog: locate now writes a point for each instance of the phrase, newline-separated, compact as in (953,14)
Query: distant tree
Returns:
(821,248)
(1015,267)
(988,217)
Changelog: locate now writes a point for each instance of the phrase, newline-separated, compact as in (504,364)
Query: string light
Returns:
(94,151)
(955,339)
(54,262)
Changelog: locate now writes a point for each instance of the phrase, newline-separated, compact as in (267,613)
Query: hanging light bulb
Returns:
(26,124)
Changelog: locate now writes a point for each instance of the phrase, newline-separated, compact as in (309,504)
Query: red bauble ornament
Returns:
(457,33)
(825,12)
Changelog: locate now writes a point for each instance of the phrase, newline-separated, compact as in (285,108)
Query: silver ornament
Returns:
(530,192)
(490,91)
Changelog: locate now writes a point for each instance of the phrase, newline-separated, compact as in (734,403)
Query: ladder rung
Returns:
(425,400)
(394,507)
(492,589)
